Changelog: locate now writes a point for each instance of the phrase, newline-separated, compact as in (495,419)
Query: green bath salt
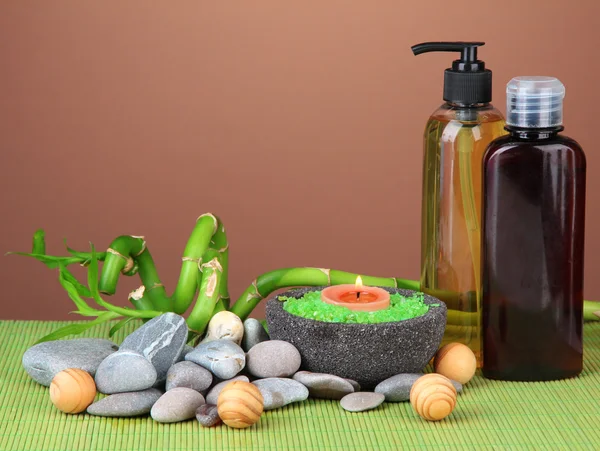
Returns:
(312,307)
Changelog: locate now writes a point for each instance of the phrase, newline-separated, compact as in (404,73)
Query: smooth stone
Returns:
(361,401)
(273,358)
(278,392)
(225,325)
(457,385)
(125,404)
(213,394)
(207,415)
(223,358)
(44,360)
(397,388)
(325,386)
(178,404)
(124,371)
(185,351)
(354,384)
(189,375)
(160,340)
(254,333)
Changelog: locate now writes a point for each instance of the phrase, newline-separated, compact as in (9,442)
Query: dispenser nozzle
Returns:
(467,49)
(468,81)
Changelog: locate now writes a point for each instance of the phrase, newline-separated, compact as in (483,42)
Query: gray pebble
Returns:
(125,404)
(207,415)
(124,371)
(354,384)
(44,360)
(254,333)
(273,358)
(279,392)
(326,386)
(160,340)
(457,385)
(222,357)
(361,401)
(185,351)
(176,405)
(190,375)
(213,394)
(397,388)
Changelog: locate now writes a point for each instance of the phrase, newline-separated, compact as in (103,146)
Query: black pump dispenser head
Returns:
(468,81)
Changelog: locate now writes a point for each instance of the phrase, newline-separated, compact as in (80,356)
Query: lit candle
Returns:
(357,296)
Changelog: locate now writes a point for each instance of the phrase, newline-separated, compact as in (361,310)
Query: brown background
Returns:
(299,123)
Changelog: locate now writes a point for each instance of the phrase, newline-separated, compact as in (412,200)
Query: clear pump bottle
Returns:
(456,136)
(534,208)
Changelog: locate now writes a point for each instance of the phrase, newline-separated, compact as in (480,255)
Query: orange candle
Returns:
(357,296)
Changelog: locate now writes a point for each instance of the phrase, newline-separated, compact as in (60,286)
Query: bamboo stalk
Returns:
(119,260)
(208,296)
(308,277)
(123,254)
(139,299)
(219,247)
(197,245)
(39,242)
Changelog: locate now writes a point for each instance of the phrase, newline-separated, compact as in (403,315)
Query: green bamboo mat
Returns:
(489,415)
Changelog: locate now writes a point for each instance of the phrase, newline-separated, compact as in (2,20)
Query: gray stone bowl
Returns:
(366,353)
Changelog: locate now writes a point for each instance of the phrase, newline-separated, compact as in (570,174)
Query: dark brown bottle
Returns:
(533,238)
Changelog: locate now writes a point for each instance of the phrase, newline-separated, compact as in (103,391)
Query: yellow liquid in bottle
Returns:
(455,141)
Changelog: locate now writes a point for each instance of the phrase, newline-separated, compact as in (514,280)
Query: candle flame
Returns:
(359,283)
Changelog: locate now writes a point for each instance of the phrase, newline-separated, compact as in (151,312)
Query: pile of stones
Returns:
(154,372)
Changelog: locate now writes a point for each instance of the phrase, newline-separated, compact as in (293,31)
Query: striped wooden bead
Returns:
(72,390)
(433,396)
(240,404)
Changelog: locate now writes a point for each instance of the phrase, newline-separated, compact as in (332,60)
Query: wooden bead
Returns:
(240,404)
(456,361)
(72,390)
(433,397)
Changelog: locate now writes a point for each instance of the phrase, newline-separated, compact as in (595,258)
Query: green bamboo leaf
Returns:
(82,290)
(50,261)
(82,306)
(76,329)
(86,256)
(118,326)
(39,242)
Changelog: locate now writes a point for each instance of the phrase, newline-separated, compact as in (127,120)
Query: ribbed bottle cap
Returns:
(534,102)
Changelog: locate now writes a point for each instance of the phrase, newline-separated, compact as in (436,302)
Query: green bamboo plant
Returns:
(202,286)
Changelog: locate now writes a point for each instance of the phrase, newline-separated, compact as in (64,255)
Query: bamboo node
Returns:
(256,294)
(110,250)
(327,272)
(156,285)
(213,264)
(395,282)
(138,293)
(215,220)
(191,259)
(129,264)
(143,245)
(223,249)
(128,260)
